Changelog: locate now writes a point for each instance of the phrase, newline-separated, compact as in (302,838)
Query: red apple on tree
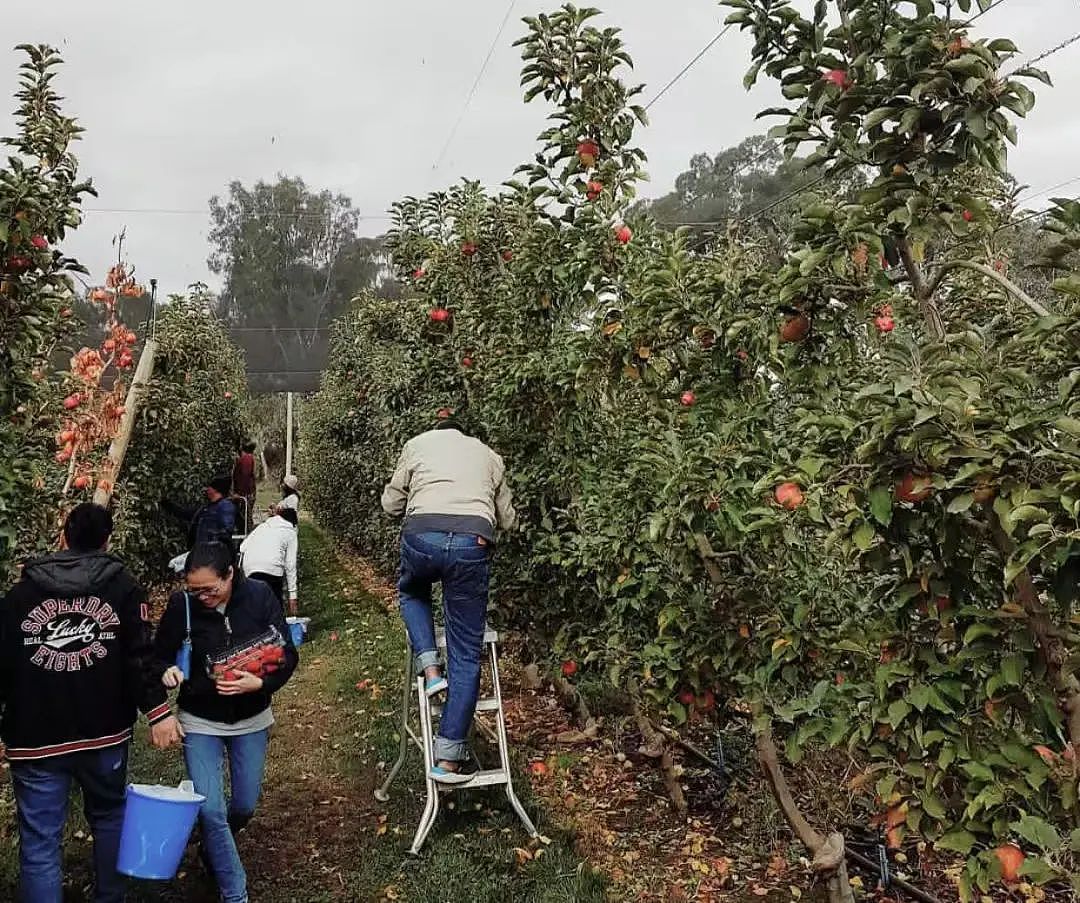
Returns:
(593,190)
(507,255)
(914,488)
(466,362)
(39,242)
(795,328)
(686,697)
(569,668)
(838,77)
(968,216)
(72,402)
(687,399)
(469,249)
(789,496)
(623,235)
(587,151)
(439,315)
(885,323)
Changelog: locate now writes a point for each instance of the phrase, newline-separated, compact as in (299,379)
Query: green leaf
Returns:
(919,696)
(932,805)
(1038,871)
(878,116)
(1012,670)
(864,536)
(978,772)
(1038,833)
(751,74)
(1074,840)
(978,631)
(961,503)
(1068,425)
(958,841)
(881,505)
(898,711)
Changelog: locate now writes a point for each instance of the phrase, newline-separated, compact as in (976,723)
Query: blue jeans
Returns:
(205,758)
(462,565)
(42,789)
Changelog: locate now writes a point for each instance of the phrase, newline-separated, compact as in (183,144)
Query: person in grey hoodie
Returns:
(451,489)
(76,668)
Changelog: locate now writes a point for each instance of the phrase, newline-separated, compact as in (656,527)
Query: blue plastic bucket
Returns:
(157,825)
(298,629)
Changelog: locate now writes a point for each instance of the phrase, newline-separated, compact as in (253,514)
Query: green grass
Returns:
(319,834)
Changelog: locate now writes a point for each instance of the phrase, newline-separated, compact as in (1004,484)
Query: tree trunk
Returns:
(828,852)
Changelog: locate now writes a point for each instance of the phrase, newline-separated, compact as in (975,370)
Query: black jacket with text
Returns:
(76,659)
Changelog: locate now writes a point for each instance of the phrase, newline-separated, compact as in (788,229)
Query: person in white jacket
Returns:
(269,554)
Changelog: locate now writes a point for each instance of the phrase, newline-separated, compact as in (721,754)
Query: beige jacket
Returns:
(449,482)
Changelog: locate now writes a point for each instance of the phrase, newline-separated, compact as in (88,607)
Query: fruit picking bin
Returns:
(259,656)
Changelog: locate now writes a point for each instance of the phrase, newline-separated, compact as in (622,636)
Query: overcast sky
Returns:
(360,97)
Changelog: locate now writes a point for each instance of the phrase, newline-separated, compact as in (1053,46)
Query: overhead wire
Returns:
(1046,54)
(685,69)
(982,13)
(166,211)
(475,85)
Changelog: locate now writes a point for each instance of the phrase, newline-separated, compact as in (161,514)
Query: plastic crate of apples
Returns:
(260,656)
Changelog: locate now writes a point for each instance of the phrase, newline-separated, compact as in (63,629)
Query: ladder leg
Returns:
(431,807)
(382,794)
(504,747)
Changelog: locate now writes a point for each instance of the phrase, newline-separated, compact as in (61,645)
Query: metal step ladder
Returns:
(428,710)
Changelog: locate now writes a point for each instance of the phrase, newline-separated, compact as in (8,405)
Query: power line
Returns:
(671,84)
(787,197)
(166,211)
(1039,194)
(1046,54)
(475,85)
(979,15)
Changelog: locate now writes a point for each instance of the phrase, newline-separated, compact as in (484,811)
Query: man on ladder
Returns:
(451,490)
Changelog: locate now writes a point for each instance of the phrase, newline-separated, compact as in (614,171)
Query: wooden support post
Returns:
(118,450)
(288,433)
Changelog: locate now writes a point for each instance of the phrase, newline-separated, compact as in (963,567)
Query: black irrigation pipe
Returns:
(899,883)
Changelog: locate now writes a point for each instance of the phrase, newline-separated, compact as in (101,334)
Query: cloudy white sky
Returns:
(360,97)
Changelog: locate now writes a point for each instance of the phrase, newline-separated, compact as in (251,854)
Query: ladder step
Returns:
(482,705)
(482,779)
(490,636)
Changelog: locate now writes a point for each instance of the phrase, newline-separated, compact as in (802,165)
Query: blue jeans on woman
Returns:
(461,563)
(42,788)
(205,756)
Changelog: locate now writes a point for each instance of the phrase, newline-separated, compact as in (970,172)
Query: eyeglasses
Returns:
(208,592)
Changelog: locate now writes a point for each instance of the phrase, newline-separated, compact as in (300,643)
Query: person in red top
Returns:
(243,480)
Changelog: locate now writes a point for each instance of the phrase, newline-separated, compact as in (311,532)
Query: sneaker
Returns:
(465,773)
(435,686)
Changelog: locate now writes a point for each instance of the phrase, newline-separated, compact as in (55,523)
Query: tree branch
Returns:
(924,294)
(990,273)
(828,852)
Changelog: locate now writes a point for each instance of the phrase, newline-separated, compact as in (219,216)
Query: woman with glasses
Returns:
(224,721)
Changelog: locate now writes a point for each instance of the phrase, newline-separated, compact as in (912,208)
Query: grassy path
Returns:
(319,834)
